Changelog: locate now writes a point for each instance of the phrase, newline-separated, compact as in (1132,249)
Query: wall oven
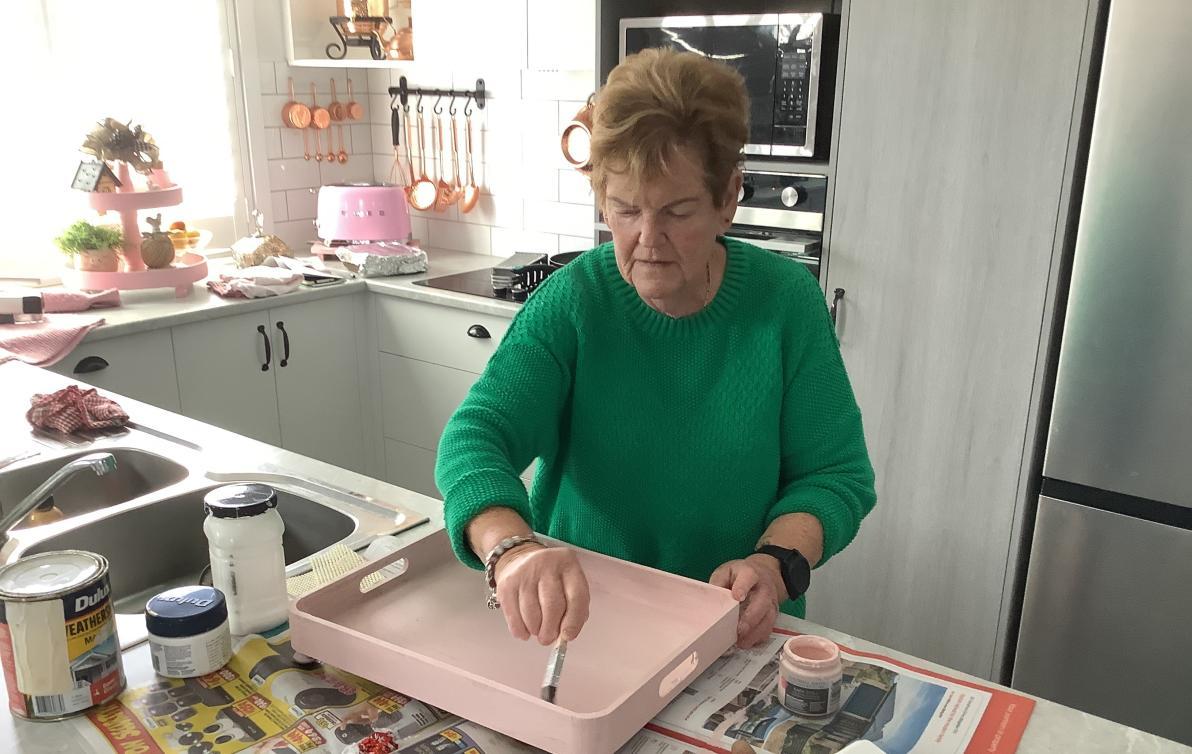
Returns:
(788,62)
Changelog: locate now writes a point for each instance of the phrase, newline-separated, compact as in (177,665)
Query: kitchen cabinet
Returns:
(429,357)
(140,366)
(225,374)
(288,376)
(951,160)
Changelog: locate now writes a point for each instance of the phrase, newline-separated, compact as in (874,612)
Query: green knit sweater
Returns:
(667,442)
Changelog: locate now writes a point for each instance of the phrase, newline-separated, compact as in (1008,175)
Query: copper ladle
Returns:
(443,197)
(423,192)
(457,189)
(471,193)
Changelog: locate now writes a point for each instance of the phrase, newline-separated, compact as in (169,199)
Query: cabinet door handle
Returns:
(89,364)
(837,297)
(268,348)
(285,344)
(478,331)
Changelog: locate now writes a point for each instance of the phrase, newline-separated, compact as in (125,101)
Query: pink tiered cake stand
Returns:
(187,268)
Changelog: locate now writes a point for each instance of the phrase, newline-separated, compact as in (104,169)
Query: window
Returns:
(167,66)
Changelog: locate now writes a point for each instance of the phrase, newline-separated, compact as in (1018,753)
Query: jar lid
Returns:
(185,611)
(240,500)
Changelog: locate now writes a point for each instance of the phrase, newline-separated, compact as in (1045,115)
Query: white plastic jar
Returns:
(188,631)
(248,565)
(809,676)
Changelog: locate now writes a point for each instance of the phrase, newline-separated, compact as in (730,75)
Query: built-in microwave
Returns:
(787,60)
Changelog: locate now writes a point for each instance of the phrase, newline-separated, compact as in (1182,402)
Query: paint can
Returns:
(58,643)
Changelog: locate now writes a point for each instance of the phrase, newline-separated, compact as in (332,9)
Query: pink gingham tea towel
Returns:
(72,409)
(47,342)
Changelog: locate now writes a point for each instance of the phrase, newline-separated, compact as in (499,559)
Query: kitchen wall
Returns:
(530,199)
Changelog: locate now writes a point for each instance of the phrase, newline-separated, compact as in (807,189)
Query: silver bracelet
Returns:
(490,564)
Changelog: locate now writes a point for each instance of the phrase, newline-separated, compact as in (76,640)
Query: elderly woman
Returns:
(683,392)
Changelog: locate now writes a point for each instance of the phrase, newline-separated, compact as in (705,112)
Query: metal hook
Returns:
(451,105)
(438,107)
(468,106)
(419,106)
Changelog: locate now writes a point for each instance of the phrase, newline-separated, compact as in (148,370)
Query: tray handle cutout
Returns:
(383,575)
(682,672)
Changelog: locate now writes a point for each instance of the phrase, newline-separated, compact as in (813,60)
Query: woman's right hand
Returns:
(543,593)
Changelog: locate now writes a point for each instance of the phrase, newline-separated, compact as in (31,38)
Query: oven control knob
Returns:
(792,195)
(745,193)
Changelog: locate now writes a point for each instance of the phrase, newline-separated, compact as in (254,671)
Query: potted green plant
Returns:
(93,247)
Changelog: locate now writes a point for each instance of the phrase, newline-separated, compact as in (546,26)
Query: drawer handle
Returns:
(478,331)
(268,349)
(285,344)
(89,364)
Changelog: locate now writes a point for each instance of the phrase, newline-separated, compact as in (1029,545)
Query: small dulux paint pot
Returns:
(189,634)
(809,676)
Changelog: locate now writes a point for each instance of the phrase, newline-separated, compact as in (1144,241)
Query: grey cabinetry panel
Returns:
(954,125)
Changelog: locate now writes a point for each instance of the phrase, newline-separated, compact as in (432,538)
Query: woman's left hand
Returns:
(757,585)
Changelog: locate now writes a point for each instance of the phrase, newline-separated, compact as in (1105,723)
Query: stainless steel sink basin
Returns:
(157,546)
(146,517)
(138,472)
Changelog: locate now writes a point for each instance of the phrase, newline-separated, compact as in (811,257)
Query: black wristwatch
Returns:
(796,571)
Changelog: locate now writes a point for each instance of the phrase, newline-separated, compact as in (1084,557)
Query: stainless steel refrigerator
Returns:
(1106,622)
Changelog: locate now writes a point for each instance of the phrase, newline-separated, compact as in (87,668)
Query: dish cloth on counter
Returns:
(47,342)
(79,301)
(72,409)
(256,282)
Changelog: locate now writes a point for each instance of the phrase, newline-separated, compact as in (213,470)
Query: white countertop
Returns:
(141,311)
(1052,727)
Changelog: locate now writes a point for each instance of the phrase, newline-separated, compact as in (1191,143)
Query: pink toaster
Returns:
(362,212)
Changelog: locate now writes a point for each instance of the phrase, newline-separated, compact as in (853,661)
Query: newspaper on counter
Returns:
(265,702)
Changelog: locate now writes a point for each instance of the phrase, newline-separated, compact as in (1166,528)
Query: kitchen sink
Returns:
(162,545)
(138,472)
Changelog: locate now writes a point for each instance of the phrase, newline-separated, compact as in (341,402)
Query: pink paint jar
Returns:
(809,676)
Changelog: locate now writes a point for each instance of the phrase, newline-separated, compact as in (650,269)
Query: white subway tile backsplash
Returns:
(273,148)
(418,229)
(575,188)
(557,85)
(506,242)
(556,217)
(303,78)
(504,211)
(355,170)
(444,234)
(281,211)
(291,142)
(292,173)
(361,139)
(576,243)
(376,80)
(302,203)
(568,109)
(377,106)
(298,234)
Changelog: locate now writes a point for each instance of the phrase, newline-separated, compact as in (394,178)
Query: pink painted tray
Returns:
(428,634)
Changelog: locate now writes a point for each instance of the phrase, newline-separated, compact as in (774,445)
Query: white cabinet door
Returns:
(318,380)
(561,35)
(225,374)
(438,334)
(140,366)
(418,398)
(944,220)
(411,467)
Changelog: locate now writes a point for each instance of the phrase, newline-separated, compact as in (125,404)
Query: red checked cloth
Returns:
(71,409)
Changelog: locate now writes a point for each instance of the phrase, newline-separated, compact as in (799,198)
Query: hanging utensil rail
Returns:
(403,90)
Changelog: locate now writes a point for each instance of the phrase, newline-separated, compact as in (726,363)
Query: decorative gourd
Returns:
(157,250)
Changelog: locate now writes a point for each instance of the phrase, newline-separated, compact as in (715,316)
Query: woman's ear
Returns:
(728,208)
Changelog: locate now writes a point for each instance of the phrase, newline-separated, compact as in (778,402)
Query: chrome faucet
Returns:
(100,463)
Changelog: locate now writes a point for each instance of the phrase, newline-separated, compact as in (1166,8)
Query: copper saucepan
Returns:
(294,114)
(576,140)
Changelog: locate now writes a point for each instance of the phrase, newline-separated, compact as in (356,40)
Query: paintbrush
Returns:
(554,669)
